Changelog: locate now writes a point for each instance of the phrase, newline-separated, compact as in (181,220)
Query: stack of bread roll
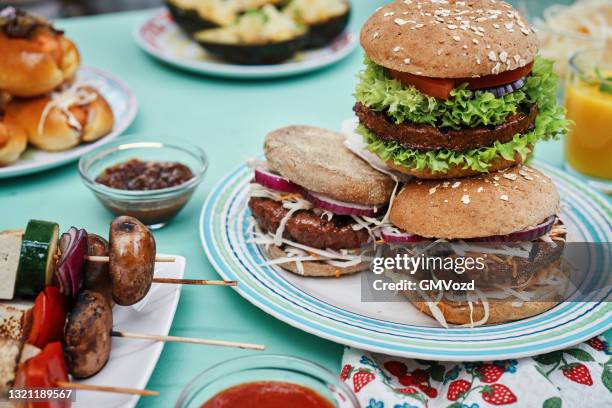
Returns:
(41,102)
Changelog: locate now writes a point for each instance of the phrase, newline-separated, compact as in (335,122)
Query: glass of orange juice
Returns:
(588,99)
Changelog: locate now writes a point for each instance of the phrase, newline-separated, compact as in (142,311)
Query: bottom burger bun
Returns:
(456,171)
(313,268)
(494,204)
(500,311)
(13,140)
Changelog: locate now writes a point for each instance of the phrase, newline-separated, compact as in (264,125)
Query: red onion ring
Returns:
(526,235)
(279,183)
(276,182)
(338,207)
(392,236)
(69,268)
(502,90)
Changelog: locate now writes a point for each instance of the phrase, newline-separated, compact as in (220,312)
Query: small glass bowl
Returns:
(266,367)
(154,208)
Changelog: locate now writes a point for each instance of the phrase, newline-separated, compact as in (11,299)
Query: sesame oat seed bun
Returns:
(499,203)
(317,160)
(449,39)
(314,268)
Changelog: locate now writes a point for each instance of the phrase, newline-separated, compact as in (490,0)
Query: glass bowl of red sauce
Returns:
(270,381)
(151,180)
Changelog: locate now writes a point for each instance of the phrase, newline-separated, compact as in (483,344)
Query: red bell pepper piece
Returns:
(44,370)
(50,310)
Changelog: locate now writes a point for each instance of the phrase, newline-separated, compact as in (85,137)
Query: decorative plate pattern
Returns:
(160,37)
(329,308)
(121,100)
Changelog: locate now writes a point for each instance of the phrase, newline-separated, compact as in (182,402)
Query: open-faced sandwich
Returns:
(65,118)
(326,19)
(35,57)
(318,208)
(509,220)
(452,89)
(260,36)
(196,15)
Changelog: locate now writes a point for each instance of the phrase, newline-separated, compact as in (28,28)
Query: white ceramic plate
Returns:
(131,361)
(121,100)
(332,308)
(160,37)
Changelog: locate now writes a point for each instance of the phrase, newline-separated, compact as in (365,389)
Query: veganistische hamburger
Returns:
(318,208)
(509,219)
(454,88)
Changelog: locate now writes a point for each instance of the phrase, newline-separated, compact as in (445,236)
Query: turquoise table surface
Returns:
(229,119)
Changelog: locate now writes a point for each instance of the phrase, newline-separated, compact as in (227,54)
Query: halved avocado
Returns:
(188,19)
(323,33)
(256,54)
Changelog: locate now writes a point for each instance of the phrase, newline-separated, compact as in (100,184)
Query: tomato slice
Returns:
(441,87)
(437,87)
(491,81)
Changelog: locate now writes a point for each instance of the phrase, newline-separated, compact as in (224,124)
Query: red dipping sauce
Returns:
(268,394)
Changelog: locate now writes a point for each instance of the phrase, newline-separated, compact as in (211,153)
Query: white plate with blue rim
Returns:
(123,104)
(161,38)
(332,308)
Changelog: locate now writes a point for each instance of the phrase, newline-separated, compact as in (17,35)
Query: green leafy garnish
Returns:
(464,109)
(605,84)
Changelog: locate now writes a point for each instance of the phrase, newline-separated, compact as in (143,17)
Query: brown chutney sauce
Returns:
(138,175)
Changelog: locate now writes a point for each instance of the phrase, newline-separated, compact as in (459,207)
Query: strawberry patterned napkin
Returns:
(577,377)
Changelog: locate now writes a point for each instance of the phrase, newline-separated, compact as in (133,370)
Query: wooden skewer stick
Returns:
(191,340)
(92,258)
(203,282)
(105,388)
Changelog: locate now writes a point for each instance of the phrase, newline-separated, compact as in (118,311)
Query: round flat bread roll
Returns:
(36,58)
(317,160)
(64,119)
(13,139)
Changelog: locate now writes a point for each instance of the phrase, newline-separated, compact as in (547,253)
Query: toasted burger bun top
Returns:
(449,39)
(491,204)
(317,160)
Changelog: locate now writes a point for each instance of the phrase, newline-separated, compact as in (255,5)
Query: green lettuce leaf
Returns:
(541,89)
(465,108)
